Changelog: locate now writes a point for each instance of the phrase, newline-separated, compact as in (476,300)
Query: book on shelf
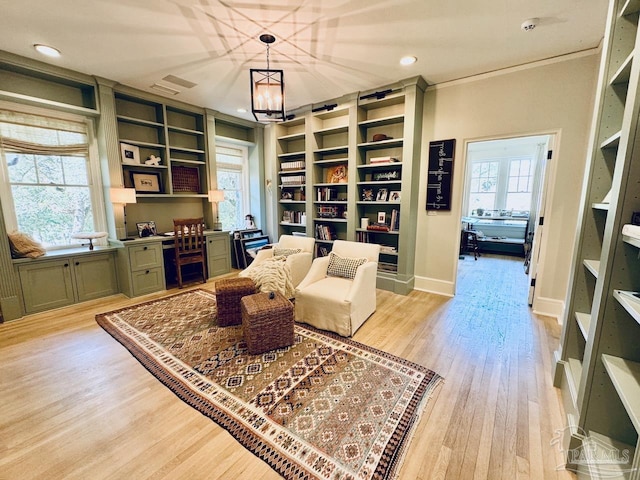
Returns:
(385,159)
(378,227)
(292,180)
(363,237)
(325,232)
(388,249)
(296,165)
(293,216)
(326,194)
(387,267)
(395,221)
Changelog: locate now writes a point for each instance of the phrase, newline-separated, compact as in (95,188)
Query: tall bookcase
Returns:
(339,160)
(598,363)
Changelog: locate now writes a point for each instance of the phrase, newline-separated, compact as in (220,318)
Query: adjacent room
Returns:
(319,240)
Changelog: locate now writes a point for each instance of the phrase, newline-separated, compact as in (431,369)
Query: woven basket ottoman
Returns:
(229,291)
(267,322)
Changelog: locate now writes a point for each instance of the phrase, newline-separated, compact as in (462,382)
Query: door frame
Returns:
(548,179)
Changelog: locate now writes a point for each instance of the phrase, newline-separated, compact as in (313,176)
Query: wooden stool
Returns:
(267,322)
(229,292)
(470,242)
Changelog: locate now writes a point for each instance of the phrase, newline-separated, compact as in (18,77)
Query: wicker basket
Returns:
(228,294)
(267,323)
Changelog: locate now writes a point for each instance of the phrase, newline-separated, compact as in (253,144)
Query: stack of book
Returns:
(395,221)
(385,159)
(297,165)
(293,180)
(378,227)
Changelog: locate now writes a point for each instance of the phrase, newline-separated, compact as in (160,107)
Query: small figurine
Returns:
(153,160)
(248,222)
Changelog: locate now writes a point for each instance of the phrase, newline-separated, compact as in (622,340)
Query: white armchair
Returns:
(299,263)
(334,303)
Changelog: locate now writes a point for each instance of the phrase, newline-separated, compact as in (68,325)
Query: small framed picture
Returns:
(146,229)
(382,195)
(382,217)
(130,154)
(394,196)
(367,194)
(146,182)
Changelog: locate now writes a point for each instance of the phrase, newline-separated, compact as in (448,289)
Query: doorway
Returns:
(503,206)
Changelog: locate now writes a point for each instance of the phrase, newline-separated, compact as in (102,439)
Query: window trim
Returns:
(94,173)
(243,167)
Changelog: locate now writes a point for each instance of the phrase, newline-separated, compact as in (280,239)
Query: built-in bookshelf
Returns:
(598,363)
(292,176)
(330,150)
(361,165)
(163,148)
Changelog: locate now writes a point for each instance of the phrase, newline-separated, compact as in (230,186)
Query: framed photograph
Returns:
(146,182)
(382,217)
(130,154)
(337,174)
(367,194)
(394,196)
(382,195)
(146,229)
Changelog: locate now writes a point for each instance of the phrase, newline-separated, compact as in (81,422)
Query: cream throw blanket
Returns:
(272,275)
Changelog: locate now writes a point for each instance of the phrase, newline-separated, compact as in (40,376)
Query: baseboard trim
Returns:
(550,307)
(433,285)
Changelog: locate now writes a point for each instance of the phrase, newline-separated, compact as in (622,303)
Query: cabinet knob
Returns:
(77,263)
(145,248)
(66,264)
(147,272)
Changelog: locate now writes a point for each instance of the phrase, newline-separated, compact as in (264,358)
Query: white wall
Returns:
(547,98)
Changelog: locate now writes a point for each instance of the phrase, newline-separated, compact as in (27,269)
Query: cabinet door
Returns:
(46,285)
(147,281)
(95,276)
(218,254)
(142,257)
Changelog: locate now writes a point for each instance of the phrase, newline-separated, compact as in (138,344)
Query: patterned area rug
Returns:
(326,407)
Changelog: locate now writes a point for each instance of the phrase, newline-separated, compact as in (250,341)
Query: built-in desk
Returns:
(144,264)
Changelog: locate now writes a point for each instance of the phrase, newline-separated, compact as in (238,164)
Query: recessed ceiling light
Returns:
(47,50)
(408,60)
(241,110)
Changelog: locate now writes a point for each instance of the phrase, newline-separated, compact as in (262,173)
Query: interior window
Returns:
(232,173)
(46,169)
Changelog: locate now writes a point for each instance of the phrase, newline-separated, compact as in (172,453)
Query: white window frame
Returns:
(95,179)
(243,168)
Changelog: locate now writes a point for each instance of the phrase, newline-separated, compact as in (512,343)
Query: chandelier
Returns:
(267,89)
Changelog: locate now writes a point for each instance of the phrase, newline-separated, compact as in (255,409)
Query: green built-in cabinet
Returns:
(331,174)
(61,279)
(218,253)
(597,365)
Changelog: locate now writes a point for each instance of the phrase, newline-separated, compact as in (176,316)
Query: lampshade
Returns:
(267,89)
(123,195)
(216,196)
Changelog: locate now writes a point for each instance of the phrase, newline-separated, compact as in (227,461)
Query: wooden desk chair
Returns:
(189,245)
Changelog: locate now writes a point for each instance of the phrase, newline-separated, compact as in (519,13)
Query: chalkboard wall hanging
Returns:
(440,174)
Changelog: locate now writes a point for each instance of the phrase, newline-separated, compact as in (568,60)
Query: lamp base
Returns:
(217,226)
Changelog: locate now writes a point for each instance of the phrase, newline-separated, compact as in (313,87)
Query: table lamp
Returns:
(216,196)
(122,196)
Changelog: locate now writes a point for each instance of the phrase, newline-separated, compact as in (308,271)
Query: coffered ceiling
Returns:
(203,49)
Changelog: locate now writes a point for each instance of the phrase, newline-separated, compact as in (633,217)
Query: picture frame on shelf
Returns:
(382,217)
(147,229)
(337,174)
(130,154)
(394,196)
(367,194)
(146,182)
(382,195)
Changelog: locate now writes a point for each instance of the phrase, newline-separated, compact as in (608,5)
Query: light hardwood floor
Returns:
(76,404)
